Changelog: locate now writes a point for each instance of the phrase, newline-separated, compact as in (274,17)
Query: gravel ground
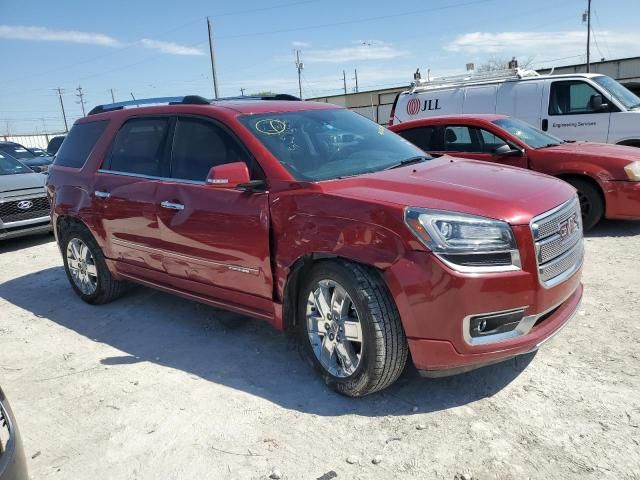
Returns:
(153,386)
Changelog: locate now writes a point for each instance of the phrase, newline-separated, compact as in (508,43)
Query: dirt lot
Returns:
(156,387)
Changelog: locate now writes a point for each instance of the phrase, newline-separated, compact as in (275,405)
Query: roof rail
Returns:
(472,77)
(186,100)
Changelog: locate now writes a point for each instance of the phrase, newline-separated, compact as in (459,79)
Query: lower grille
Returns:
(24,209)
(558,242)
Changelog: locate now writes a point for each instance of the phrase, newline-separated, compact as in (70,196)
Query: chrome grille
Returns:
(5,432)
(558,242)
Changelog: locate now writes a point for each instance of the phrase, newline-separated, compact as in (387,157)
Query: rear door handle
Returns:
(101,194)
(172,206)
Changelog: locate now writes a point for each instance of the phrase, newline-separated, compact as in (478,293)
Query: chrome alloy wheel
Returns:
(334,328)
(82,266)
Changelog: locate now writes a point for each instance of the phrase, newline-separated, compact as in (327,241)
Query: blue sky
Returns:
(158,48)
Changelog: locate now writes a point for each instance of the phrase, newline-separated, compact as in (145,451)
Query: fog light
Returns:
(494,323)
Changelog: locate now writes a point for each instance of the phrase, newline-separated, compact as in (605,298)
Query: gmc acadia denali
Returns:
(323,223)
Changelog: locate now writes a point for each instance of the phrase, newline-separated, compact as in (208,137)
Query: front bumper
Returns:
(13,465)
(622,200)
(436,302)
(25,227)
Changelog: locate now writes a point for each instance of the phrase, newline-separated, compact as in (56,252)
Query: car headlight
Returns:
(467,243)
(633,171)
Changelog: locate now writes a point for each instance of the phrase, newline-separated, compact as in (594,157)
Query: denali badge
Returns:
(569,226)
(25,204)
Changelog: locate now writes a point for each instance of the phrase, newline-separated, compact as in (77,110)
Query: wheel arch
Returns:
(297,272)
(567,176)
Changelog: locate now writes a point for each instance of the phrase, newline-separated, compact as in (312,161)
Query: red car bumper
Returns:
(436,303)
(623,200)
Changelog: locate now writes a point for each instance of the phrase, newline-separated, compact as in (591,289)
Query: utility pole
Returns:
(113,98)
(213,60)
(344,81)
(355,71)
(242,91)
(80,95)
(299,67)
(588,36)
(64,115)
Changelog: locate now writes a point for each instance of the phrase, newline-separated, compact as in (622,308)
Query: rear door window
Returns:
(571,98)
(200,144)
(425,138)
(79,143)
(139,147)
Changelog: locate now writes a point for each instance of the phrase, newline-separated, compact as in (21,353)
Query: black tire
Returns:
(107,288)
(384,347)
(591,203)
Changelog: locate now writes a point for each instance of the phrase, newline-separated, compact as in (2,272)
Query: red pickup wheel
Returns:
(350,328)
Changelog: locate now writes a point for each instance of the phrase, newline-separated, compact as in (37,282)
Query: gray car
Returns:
(13,465)
(24,206)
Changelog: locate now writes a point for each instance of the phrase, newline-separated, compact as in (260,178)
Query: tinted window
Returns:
(16,151)
(139,147)
(54,145)
(423,137)
(323,144)
(199,145)
(461,139)
(80,141)
(11,166)
(490,142)
(571,97)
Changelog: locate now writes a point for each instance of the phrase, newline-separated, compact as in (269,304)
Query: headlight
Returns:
(466,243)
(633,171)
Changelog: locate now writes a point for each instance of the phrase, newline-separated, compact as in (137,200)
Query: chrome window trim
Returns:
(151,177)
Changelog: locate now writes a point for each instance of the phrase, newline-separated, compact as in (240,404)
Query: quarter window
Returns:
(572,97)
(200,145)
(79,143)
(139,147)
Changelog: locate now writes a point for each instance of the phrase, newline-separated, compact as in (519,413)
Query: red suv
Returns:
(607,177)
(321,222)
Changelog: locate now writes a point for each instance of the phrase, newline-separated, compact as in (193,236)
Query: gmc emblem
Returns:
(568,226)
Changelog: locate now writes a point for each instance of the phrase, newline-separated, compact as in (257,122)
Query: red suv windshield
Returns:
(316,145)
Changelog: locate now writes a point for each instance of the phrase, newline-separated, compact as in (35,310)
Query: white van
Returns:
(572,107)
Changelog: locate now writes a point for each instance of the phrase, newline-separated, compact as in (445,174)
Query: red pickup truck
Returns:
(322,223)
(607,177)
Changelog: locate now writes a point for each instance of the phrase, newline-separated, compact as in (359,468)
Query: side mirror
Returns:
(230,175)
(507,151)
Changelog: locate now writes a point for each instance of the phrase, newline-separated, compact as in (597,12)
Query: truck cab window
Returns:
(572,97)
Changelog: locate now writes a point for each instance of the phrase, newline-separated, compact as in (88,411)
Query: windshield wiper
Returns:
(549,145)
(408,161)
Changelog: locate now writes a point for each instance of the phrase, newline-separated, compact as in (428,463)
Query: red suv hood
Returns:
(459,185)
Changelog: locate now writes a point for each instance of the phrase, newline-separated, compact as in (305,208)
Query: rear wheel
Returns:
(86,268)
(591,203)
(350,328)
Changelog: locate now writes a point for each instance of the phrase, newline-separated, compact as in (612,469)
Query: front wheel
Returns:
(350,328)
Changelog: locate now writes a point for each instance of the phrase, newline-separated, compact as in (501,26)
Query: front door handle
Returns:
(101,194)
(172,206)
(545,124)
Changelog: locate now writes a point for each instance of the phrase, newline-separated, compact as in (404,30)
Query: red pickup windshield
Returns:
(315,145)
